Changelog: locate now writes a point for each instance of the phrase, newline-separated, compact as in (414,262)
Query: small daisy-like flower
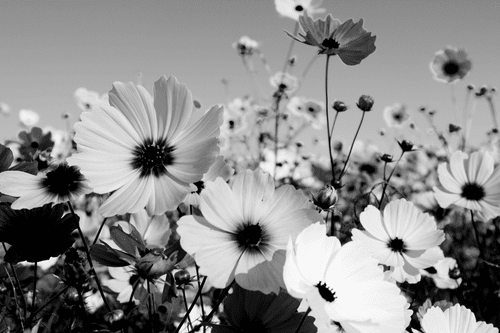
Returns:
(60,184)
(403,238)
(36,234)
(244,229)
(457,319)
(87,99)
(284,82)
(348,40)
(470,182)
(294,8)
(450,64)
(253,311)
(308,109)
(246,46)
(395,115)
(141,148)
(28,118)
(343,285)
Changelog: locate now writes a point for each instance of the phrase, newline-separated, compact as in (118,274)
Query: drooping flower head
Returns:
(470,182)
(36,234)
(450,64)
(456,319)
(59,184)
(141,148)
(343,285)
(348,40)
(244,230)
(402,238)
(294,8)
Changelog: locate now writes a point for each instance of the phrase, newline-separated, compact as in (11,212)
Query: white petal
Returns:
(480,167)
(457,167)
(255,273)
(218,169)
(371,220)
(165,194)
(434,321)
(18,183)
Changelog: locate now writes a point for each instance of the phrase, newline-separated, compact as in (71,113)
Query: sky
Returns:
(51,48)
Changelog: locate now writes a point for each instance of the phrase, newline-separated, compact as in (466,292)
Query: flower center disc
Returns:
(153,157)
(330,43)
(397,245)
(326,292)
(299,8)
(63,180)
(450,68)
(473,191)
(249,236)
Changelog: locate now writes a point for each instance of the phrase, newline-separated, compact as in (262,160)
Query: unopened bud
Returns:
(453,128)
(182,277)
(386,158)
(406,146)
(340,106)
(470,87)
(365,103)
(115,320)
(326,198)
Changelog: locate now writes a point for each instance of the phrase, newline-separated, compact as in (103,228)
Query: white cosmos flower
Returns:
(450,64)
(28,118)
(470,182)
(457,319)
(294,8)
(244,230)
(343,285)
(154,230)
(60,184)
(444,273)
(87,99)
(403,238)
(141,148)
(395,115)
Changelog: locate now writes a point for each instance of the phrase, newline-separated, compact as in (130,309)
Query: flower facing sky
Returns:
(348,40)
(470,182)
(141,148)
(60,184)
(244,230)
(294,8)
(284,82)
(395,115)
(308,109)
(450,64)
(457,319)
(343,285)
(402,238)
(246,46)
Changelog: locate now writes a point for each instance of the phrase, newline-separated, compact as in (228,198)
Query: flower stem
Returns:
(35,275)
(328,117)
(386,182)
(25,306)
(99,231)
(492,109)
(333,125)
(186,306)
(198,294)
(297,330)
(480,246)
(201,298)
(89,257)
(352,145)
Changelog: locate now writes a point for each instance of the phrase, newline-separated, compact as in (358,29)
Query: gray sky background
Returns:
(51,48)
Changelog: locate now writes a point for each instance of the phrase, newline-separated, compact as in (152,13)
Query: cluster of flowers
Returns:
(139,205)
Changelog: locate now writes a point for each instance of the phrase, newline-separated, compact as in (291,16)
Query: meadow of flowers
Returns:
(141,219)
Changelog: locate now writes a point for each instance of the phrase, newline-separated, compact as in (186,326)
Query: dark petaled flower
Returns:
(58,185)
(348,40)
(36,234)
(340,106)
(406,146)
(33,143)
(365,103)
(252,311)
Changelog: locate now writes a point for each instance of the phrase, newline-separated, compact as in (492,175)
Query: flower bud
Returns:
(326,198)
(453,128)
(71,297)
(115,320)
(154,264)
(340,106)
(470,87)
(406,146)
(386,158)
(182,277)
(365,103)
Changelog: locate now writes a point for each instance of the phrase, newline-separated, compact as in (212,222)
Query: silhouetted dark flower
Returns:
(36,234)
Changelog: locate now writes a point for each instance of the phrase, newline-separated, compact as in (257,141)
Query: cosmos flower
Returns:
(246,46)
(5,108)
(253,311)
(470,182)
(343,285)
(87,99)
(395,115)
(402,238)
(284,82)
(28,118)
(244,229)
(154,230)
(457,319)
(294,8)
(308,109)
(218,169)
(36,234)
(444,273)
(60,184)
(450,64)
(348,40)
(141,148)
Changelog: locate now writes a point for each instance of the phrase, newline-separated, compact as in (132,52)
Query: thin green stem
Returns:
(53,298)
(21,319)
(99,231)
(454,102)
(89,258)
(333,125)
(198,294)
(297,330)
(330,153)
(35,276)
(480,246)
(493,112)
(201,298)
(150,307)
(186,306)
(290,48)
(386,182)
(352,145)
(18,283)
